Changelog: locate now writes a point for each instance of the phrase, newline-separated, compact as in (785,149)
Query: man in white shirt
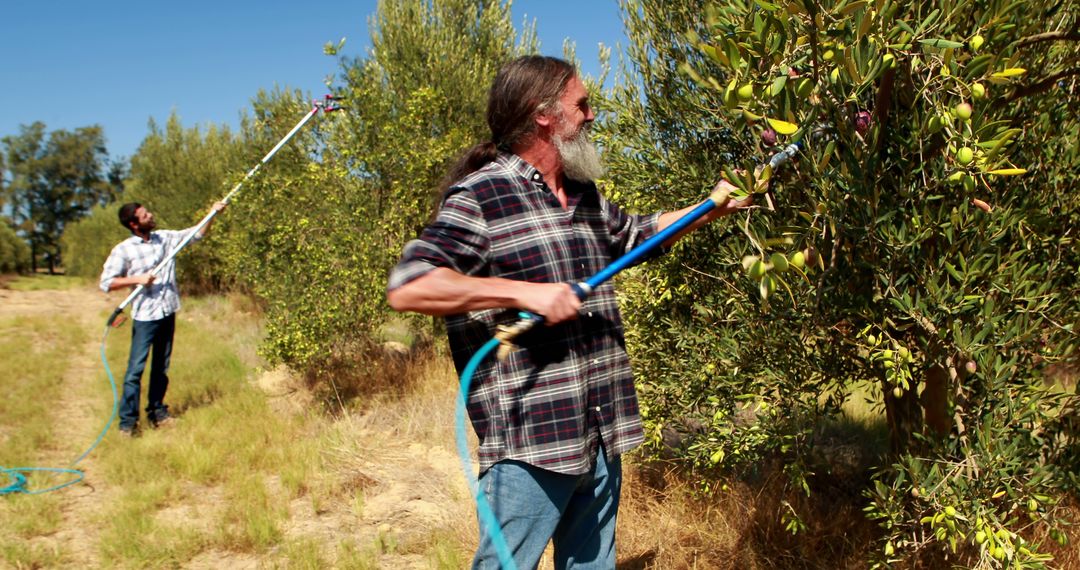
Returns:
(153,312)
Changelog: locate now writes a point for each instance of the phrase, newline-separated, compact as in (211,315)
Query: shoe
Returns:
(165,422)
(127,433)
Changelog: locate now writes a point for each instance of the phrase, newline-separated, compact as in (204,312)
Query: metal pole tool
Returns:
(327,104)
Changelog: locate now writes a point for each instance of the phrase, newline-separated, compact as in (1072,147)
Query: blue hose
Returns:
(487,516)
(18,475)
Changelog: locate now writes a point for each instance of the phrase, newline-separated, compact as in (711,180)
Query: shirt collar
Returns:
(519,166)
(136,239)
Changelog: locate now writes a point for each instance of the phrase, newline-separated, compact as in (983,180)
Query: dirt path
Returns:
(81,421)
(408,487)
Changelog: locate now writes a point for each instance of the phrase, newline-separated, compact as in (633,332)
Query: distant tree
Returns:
(116,177)
(20,153)
(14,252)
(178,172)
(318,246)
(3,184)
(54,180)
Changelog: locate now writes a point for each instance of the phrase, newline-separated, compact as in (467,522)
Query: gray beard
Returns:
(580,160)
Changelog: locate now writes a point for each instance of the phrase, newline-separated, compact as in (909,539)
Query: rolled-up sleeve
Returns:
(172,238)
(115,266)
(629,230)
(458,239)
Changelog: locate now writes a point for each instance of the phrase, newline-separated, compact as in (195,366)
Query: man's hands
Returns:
(217,207)
(721,196)
(556,302)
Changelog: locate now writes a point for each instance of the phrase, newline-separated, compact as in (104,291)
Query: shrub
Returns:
(14,252)
(86,243)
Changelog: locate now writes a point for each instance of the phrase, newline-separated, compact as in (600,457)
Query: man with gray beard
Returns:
(519,221)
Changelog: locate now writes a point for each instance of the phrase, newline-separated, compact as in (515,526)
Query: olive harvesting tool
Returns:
(327,104)
(18,476)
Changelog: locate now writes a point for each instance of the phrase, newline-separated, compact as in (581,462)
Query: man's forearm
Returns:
(446,292)
(218,207)
(668,218)
(124,282)
(724,206)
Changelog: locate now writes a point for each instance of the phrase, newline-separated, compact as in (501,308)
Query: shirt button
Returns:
(597,409)
(590,313)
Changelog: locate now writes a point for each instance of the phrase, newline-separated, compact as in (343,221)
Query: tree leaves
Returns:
(55,180)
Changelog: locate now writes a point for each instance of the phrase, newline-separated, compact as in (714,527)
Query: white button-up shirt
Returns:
(135,256)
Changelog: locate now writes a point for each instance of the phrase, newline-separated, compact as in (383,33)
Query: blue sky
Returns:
(115,63)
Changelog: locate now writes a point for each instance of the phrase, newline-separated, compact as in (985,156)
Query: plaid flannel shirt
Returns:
(567,385)
(134,256)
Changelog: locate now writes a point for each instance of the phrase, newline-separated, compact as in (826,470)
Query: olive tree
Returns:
(917,253)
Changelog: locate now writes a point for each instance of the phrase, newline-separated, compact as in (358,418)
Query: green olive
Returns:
(962,111)
(779,262)
(757,270)
(965,155)
(746,92)
(797,260)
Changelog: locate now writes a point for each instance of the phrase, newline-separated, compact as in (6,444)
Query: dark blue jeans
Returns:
(146,336)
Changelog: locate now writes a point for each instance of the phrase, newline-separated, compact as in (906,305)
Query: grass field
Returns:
(259,473)
(243,478)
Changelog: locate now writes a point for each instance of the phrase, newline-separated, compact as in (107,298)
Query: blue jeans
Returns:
(534,505)
(147,335)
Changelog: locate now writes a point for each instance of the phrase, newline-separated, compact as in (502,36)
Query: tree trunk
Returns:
(904,416)
(935,400)
(913,413)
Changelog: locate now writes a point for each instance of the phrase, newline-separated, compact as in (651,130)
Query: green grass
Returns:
(863,403)
(34,354)
(226,478)
(351,557)
(397,330)
(444,551)
(21,554)
(305,554)
(134,537)
(226,441)
(44,282)
(252,519)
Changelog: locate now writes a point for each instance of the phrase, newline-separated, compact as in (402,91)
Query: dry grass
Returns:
(662,525)
(409,420)
(377,482)
(665,522)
